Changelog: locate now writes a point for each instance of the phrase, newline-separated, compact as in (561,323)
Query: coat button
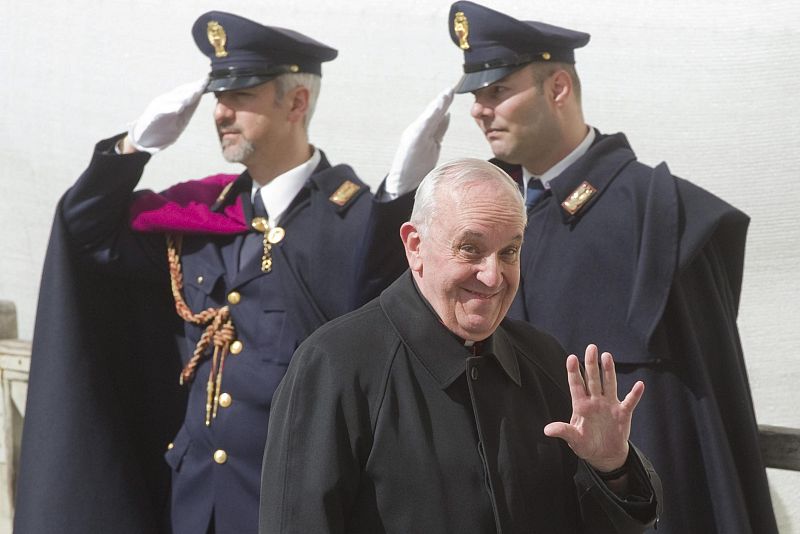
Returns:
(170,446)
(200,279)
(473,373)
(225,400)
(236,347)
(220,456)
(234,297)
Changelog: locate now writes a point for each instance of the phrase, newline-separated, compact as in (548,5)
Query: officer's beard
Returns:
(237,151)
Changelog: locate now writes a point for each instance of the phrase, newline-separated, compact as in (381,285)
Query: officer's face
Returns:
(518,120)
(249,120)
(467,263)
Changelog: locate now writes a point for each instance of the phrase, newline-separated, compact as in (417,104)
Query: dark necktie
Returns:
(253,246)
(534,194)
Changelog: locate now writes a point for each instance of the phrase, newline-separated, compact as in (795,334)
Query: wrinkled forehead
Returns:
(482,207)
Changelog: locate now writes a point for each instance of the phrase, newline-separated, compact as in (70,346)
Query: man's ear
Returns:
(298,100)
(411,242)
(560,87)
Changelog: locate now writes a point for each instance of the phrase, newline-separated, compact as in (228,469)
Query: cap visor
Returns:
(229,83)
(472,81)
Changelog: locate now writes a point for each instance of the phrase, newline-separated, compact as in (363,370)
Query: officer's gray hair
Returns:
(286,82)
(453,176)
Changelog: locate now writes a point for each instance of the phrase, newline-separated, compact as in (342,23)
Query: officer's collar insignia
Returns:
(217,37)
(578,198)
(224,193)
(341,196)
(461,29)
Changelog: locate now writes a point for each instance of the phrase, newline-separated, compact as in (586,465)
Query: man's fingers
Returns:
(562,431)
(609,375)
(632,399)
(577,387)
(594,385)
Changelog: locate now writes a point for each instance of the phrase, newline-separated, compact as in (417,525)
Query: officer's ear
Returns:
(411,242)
(298,100)
(560,87)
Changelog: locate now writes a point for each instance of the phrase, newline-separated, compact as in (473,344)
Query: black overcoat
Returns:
(385,423)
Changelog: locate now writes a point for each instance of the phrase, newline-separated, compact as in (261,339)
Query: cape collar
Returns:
(436,348)
(604,160)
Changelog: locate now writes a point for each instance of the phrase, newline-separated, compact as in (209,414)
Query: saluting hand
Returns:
(600,425)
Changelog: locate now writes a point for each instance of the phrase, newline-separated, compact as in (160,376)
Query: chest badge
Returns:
(342,196)
(578,198)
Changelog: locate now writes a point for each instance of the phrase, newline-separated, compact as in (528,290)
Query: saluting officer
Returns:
(662,257)
(255,263)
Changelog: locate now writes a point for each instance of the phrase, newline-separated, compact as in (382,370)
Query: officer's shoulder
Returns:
(339,185)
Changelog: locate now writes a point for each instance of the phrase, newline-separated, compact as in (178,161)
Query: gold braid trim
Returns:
(220,330)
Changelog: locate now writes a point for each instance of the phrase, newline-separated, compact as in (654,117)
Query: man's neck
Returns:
(264,170)
(572,137)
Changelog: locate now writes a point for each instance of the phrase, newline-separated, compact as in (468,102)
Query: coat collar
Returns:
(604,160)
(437,349)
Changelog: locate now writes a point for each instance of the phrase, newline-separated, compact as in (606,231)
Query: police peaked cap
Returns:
(495,44)
(244,53)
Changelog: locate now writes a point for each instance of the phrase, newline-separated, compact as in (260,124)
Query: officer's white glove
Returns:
(419,147)
(165,117)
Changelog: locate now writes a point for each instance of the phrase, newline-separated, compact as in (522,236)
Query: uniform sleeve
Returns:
(319,434)
(95,213)
(380,257)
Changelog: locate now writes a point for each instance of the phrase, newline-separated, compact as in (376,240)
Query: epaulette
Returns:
(340,185)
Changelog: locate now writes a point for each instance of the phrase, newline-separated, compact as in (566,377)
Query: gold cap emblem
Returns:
(576,200)
(345,192)
(461,29)
(217,37)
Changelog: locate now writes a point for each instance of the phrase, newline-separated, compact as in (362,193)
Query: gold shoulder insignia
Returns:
(576,200)
(341,196)
(461,29)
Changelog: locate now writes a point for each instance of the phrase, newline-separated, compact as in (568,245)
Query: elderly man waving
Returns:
(427,411)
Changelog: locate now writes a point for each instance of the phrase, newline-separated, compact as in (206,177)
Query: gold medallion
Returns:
(578,198)
(260,224)
(276,235)
(341,196)
(217,37)
(461,29)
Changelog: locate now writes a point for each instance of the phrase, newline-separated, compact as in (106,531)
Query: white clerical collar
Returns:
(559,167)
(281,190)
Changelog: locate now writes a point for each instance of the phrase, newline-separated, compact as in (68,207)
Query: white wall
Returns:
(708,87)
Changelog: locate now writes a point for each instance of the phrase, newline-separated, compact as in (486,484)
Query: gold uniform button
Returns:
(225,400)
(234,297)
(170,446)
(199,279)
(220,456)
(237,347)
